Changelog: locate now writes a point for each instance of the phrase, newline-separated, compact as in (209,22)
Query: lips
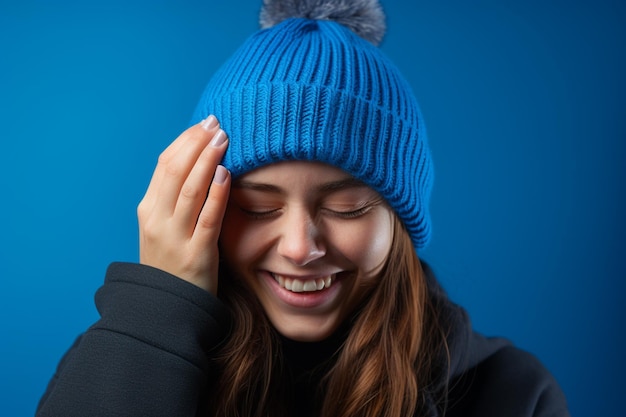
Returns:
(299,285)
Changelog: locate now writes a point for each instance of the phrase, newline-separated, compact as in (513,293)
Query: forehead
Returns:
(291,175)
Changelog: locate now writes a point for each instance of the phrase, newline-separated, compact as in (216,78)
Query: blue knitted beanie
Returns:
(313,90)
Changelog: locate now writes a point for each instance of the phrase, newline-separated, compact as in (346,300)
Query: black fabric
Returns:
(150,355)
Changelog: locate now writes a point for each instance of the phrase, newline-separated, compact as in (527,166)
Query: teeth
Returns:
(328,281)
(298,285)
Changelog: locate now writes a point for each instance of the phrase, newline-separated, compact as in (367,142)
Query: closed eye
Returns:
(260,214)
(349,214)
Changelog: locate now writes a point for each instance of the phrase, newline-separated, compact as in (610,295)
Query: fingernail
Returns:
(218,139)
(220,176)
(209,123)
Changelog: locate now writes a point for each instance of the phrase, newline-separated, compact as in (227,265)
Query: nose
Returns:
(301,239)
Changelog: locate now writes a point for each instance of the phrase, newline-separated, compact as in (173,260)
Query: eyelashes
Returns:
(271,213)
(260,214)
(350,214)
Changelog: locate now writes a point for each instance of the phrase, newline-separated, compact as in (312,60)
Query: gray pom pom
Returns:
(363,17)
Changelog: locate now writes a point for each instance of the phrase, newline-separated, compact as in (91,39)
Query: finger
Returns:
(209,223)
(209,125)
(193,194)
(174,170)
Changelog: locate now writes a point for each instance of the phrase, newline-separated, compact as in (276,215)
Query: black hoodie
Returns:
(149,355)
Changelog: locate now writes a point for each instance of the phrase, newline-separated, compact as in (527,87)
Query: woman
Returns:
(293,287)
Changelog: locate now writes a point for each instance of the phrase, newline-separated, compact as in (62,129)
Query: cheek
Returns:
(368,243)
(236,240)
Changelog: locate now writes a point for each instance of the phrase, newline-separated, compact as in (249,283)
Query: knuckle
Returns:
(142,209)
(164,158)
(172,169)
(150,229)
(208,222)
(141,217)
(148,234)
(190,192)
(168,164)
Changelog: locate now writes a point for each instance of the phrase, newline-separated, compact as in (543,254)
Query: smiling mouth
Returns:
(304,285)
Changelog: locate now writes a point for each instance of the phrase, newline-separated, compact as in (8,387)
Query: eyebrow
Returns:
(325,188)
(343,184)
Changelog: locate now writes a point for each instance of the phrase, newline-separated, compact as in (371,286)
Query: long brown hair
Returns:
(379,372)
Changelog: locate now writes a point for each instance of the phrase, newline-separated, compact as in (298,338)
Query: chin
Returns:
(301,330)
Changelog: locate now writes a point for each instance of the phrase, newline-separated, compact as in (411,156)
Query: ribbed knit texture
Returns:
(314,91)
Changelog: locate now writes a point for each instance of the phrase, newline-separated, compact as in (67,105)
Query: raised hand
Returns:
(181,214)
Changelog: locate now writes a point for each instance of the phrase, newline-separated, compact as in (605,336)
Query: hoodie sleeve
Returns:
(149,354)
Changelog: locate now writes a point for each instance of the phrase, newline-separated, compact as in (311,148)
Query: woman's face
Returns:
(309,240)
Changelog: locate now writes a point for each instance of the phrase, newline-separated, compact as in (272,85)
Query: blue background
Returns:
(525,103)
